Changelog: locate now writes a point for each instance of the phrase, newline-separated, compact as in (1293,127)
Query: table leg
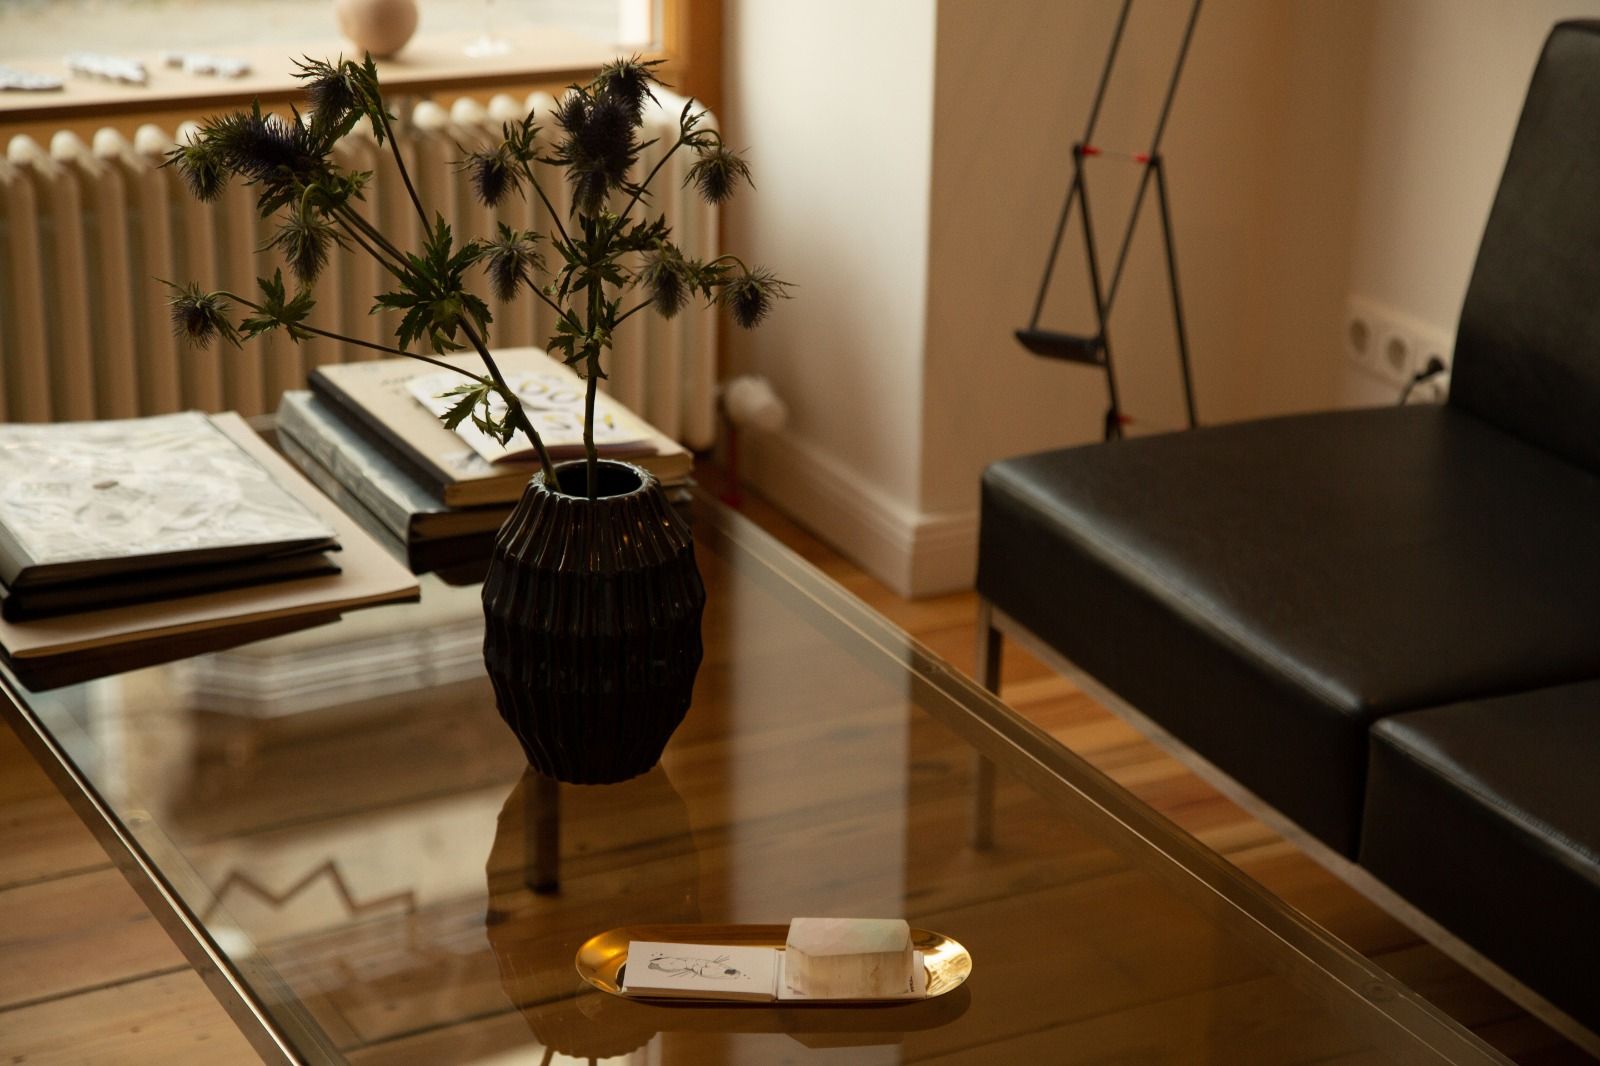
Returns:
(544,837)
(983,772)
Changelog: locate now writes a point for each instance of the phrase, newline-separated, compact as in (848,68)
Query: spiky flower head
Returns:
(256,145)
(305,238)
(333,88)
(716,173)
(608,138)
(749,297)
(199,316)
(201,168)
(510,261)
(663,277)
(572,112)
(492,174)
(628,81)
(599,148)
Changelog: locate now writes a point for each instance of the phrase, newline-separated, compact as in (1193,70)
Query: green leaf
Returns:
(278,311)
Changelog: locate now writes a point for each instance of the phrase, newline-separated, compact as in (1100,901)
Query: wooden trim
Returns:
(691,45)
(691,40)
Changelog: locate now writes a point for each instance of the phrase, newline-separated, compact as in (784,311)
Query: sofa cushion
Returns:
(1525,348)
(1265,590)
(1486,815)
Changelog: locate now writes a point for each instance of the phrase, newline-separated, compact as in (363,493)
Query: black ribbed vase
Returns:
(592,623)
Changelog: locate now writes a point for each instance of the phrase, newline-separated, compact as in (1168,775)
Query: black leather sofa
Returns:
(1384,624)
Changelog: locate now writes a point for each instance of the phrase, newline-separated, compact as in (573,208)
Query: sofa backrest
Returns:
(1527,353)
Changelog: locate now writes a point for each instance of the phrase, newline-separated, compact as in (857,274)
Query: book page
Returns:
(130,488)
(553,400)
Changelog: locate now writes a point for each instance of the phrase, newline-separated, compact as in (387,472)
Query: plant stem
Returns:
(358,342)
(630,312)
(356,234)
(513,405)
(399,161)
(592,385)
(353,219)
(638,192)
(560,313)
(555,216)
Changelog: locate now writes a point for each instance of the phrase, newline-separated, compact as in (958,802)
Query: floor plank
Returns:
(78,931)
(168,1019)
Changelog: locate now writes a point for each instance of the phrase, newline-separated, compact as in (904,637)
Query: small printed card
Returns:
(722,971)
(700,971)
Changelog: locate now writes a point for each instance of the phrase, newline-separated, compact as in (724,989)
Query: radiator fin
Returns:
(84,325)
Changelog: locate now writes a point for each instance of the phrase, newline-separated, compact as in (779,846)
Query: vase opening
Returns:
(612,479)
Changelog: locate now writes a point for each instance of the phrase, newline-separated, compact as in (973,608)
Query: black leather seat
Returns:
(1266,590)
(1486,816)
(1271,593)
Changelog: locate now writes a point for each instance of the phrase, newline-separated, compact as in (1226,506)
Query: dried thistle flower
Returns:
(305,239)
(599,148)
(572,112)
(201,169)
(332,88)
(663,278)
(254,144)
(628,81)
(718,170)
(510,260)
(198,316)
(492,175)
(749,296)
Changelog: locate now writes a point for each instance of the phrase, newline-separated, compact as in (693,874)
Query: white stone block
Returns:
(847,958)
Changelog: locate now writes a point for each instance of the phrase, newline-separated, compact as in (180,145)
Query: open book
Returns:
(553,400)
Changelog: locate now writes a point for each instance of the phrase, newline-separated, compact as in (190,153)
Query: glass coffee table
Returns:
(341,834)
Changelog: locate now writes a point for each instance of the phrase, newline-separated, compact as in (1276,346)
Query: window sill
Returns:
(432,63)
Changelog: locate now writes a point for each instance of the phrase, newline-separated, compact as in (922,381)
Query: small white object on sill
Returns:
(107,68)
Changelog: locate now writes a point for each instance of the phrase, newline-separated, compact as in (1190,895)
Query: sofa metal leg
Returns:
(983,772)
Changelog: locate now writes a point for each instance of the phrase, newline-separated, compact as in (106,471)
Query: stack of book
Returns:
(369,435)
(130,542)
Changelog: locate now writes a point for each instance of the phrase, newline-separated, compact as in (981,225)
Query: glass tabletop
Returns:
(342,834)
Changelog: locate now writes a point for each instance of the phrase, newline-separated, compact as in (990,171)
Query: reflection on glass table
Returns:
(361,857)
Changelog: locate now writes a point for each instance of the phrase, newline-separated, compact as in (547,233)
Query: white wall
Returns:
(1446,87)
(833,101)
(1318,149)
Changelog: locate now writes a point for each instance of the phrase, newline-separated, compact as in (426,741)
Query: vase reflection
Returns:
(570,861)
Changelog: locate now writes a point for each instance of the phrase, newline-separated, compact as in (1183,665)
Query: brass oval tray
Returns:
(601,959)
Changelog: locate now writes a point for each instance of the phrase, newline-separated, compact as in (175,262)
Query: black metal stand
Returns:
(1095,349)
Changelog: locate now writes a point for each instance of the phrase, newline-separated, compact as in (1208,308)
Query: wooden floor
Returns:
(87,977)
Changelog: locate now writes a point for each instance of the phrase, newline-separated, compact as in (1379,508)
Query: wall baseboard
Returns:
(914,553)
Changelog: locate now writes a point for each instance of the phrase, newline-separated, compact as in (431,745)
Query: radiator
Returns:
(87,229)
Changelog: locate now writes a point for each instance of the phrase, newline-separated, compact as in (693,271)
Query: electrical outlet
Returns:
(1437,388)
(1361,327)
(1397,355)
(1392,347)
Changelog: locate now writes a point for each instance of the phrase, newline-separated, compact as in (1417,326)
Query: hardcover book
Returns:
(420,554)
(375,398)
(407,509)
(42,601)
(89,500)
(76,647)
